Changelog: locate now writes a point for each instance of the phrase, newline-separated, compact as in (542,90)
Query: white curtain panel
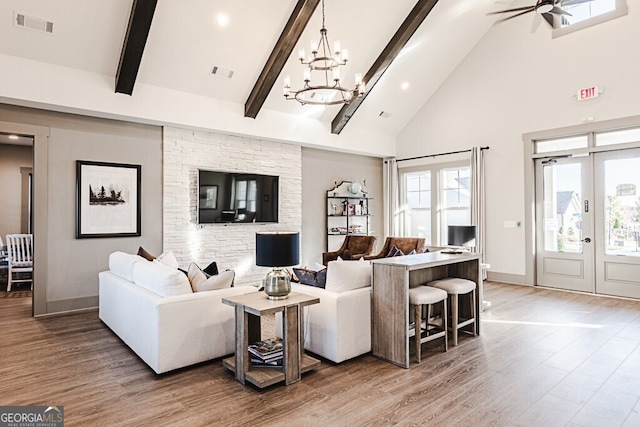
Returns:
(478,217)
(391,192)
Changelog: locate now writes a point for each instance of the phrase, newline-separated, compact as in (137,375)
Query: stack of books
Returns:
(267,353)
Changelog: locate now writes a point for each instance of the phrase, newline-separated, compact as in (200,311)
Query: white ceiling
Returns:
(186,41)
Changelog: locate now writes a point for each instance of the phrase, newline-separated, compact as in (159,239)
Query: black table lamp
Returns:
(277,250)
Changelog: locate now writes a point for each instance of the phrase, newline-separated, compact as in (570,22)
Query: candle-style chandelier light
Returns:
(326,64)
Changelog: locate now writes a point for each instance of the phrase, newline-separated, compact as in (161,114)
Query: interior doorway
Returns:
(16,193)
(588,222)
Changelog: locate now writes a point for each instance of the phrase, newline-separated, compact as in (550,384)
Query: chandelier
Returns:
(327,89)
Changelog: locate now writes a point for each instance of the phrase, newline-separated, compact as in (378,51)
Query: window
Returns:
(456,200)
(589,13)
(618,137)
(583,11)
(418,204)
(561,144)
(434,197)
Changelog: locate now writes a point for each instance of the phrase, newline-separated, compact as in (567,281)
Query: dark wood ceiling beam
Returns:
(133,47)
(390,52)
(279,55)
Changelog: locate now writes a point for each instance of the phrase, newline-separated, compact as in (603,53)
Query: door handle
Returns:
(586,240)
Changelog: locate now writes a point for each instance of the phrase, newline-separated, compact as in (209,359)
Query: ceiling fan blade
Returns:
(517,9)
(535,22)
(516,15)
(549,18)
(556,10)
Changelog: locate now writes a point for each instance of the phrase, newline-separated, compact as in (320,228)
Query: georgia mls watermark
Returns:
(31,416)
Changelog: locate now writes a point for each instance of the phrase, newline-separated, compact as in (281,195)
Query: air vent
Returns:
(384,114)
(33,23)
(222,72)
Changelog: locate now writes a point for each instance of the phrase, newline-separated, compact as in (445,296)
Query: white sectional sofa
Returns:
(339,327)
(152,308)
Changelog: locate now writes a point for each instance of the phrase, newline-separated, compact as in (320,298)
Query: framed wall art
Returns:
(107,200)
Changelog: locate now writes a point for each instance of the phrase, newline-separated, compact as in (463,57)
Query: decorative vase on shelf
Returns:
(354,187)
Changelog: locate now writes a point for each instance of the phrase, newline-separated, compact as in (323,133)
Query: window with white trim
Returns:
(588,13)
(434,197)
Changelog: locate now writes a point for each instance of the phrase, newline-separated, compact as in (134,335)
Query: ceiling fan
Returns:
(546,8)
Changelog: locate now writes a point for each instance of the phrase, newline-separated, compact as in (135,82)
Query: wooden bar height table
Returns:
(392,278)
(249,308)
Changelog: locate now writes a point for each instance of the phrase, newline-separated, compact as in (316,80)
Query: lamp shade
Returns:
(278,249)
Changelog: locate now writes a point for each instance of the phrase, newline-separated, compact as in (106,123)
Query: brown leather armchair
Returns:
(353,247)
(405,244)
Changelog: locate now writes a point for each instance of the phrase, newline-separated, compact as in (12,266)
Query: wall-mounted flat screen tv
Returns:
(232,197)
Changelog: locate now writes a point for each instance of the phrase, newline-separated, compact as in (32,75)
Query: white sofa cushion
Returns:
(160,279)
(121,264)
(219,281)
(344,276)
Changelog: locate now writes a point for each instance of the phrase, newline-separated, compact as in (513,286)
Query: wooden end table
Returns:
(248,309)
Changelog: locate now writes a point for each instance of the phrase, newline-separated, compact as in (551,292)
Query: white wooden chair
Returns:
(4,264)
(20,258)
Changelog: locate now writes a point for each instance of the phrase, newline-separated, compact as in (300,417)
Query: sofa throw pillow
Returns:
(196,276)
(311,277)
(211,269)
(218,281)
(160,279)
(394,251)
(321,278)
(348,275)
(145,254)
(168,258)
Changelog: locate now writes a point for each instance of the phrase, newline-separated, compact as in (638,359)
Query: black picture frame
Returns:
(108,199)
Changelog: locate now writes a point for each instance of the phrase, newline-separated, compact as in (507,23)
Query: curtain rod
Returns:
(439,154)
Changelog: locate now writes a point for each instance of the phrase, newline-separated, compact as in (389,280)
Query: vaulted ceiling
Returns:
(187,39)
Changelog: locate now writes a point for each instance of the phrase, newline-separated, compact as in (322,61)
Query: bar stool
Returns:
(454,287)
(425,295)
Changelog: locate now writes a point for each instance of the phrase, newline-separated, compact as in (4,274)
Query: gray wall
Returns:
(67,270)
(320,169)
(12,159)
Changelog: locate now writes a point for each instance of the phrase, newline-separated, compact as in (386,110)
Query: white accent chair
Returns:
(19,258)
(339,327)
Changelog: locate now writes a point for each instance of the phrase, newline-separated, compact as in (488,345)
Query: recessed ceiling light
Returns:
(223,19)
(13,136)
(405,85)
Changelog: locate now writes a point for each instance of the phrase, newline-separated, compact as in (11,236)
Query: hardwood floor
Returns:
(545,358)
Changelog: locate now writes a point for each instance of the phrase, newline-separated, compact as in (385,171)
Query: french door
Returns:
(564,221)
(588,223)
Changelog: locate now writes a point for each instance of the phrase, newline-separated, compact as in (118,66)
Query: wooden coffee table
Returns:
(248,309)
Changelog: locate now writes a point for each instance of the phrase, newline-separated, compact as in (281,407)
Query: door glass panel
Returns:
(562,206)
(618,137)
(561,144)
(622,206)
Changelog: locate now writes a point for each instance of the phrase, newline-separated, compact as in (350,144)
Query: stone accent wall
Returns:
(230,245)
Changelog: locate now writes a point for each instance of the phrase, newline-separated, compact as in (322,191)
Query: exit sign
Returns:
(588,93)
